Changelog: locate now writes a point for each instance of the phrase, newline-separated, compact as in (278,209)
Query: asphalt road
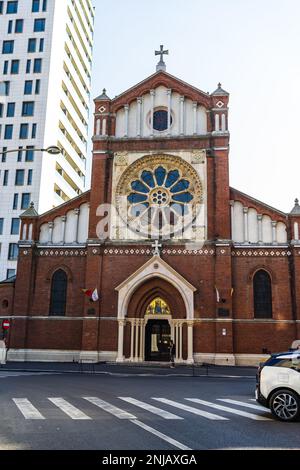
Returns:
(47,411)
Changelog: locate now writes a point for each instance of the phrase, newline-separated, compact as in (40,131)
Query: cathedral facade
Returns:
(169,248)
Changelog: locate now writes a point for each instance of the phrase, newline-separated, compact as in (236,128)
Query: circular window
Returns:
(160,120)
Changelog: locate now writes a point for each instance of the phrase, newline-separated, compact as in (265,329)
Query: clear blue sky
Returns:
(251,46)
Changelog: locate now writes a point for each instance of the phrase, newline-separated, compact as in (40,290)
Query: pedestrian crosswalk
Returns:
(131,408)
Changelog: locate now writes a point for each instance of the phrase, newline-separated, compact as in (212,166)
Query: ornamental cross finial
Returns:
(157,246)
(161,64)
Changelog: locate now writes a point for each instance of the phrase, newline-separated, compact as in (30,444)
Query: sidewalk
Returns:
(141,369)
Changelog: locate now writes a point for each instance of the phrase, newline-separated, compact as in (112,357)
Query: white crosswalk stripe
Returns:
(228,410)
(27,409)
(234,407)
(242,403)
(152,409)
(121,414)
(69,409)
(190,409)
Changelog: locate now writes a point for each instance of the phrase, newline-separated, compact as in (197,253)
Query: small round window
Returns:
(160,120)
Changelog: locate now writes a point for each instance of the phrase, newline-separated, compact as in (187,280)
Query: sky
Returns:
(251,46)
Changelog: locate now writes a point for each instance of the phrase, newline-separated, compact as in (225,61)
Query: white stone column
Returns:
(141,355)
(104,127)
(30,230)
(120,356)
(180,341)
(181,115)
(50,234)
(137,327)
(274,235)
(177,340)
(98,127)
(246,229)
(260,232)
(190,358)
(152,94)
(223,119)
(126,110)
(132,341)
(139,117)
(217,123)
(195,106)
(76,212)
(296,231)
(63,228)
(169,93)
(232,218)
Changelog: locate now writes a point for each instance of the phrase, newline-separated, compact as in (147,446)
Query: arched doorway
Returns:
(140,324)
(157,331)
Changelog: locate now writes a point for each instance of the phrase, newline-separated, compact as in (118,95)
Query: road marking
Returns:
(161,435)
(190,409)
(27,409)
(152,409)
(121,414)
(229,410)
(69,409)
(241,403)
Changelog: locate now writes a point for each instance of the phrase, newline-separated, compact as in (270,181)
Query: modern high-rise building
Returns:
(45,74)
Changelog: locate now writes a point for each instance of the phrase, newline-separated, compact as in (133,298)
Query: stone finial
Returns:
(296,209)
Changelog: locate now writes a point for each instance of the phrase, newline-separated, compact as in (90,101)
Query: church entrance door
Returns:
(157,340)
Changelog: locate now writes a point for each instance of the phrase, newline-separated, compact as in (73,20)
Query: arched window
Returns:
(262,292)
(58,299)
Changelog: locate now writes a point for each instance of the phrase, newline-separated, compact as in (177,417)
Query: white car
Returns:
(278,385)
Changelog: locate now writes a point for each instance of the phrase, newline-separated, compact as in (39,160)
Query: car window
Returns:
(289,363)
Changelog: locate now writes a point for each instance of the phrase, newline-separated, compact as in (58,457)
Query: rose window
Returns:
(159,196)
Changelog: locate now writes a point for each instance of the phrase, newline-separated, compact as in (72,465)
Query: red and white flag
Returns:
(92,294)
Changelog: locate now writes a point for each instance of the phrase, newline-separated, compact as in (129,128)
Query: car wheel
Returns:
(285,405)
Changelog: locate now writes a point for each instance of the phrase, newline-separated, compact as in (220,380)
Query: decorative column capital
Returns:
(169,91)
(195,104)
(231,202)
(274,223)
(63,218)
(50,224)
(182,99)
(139,100)
(245,210)
(259,217)
(152,92)
(77,211)
(126,107)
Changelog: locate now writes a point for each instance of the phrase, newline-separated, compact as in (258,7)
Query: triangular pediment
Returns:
(161,78)
(156,266)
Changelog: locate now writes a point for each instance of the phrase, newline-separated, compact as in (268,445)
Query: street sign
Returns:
(6,324)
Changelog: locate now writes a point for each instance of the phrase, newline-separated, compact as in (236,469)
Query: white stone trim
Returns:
(55,355)
(158,268)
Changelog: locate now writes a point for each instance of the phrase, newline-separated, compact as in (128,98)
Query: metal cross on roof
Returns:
(161,64)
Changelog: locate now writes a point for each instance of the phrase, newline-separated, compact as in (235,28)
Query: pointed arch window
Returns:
(262,291)
(58,300)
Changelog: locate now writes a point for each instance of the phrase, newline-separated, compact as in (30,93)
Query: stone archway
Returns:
(155,279)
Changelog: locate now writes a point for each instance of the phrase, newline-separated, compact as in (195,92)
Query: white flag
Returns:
(95,296)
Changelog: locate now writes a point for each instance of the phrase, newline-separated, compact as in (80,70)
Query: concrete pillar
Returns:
(274,235)
(120,357)
(131,341)
(182,115)
(195,106)
(246,228)
(50,235)
(190,358)
(126,109)
(63,228)
(136,356)
(260,232)
(76,212)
